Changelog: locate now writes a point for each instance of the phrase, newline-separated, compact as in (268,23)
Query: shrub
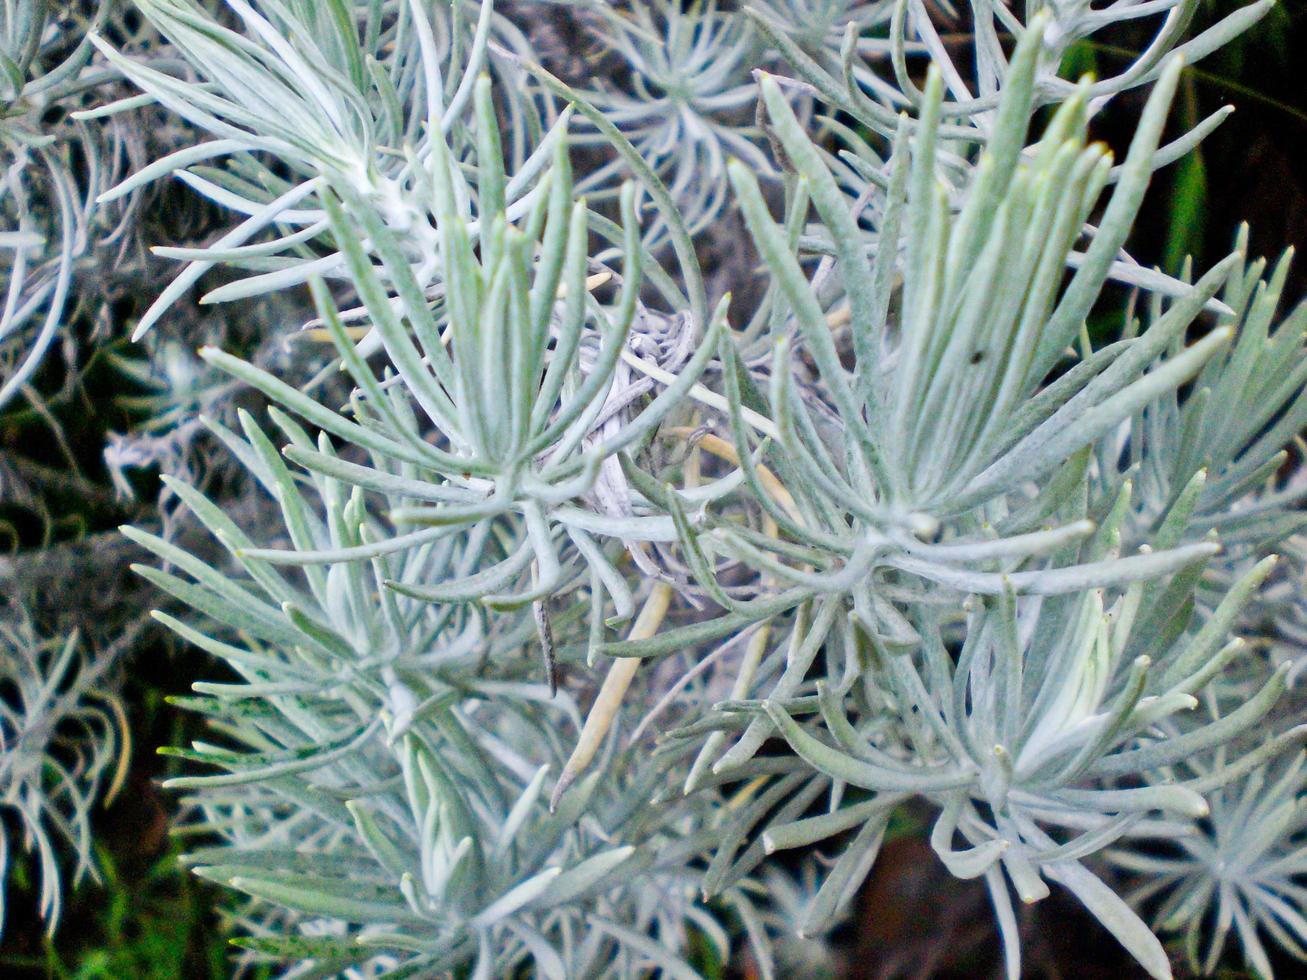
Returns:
(696,449)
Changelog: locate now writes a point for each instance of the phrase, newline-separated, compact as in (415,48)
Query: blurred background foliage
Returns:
(1261,146)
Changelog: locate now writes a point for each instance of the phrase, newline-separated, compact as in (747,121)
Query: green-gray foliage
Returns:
(571,589)
(64,743)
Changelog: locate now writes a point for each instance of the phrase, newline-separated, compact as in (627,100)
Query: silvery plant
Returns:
(657,436)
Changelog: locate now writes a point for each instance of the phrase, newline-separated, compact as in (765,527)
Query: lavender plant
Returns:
(1239,873)
(65,743)
(684,102)
(577,588)
(48,200)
